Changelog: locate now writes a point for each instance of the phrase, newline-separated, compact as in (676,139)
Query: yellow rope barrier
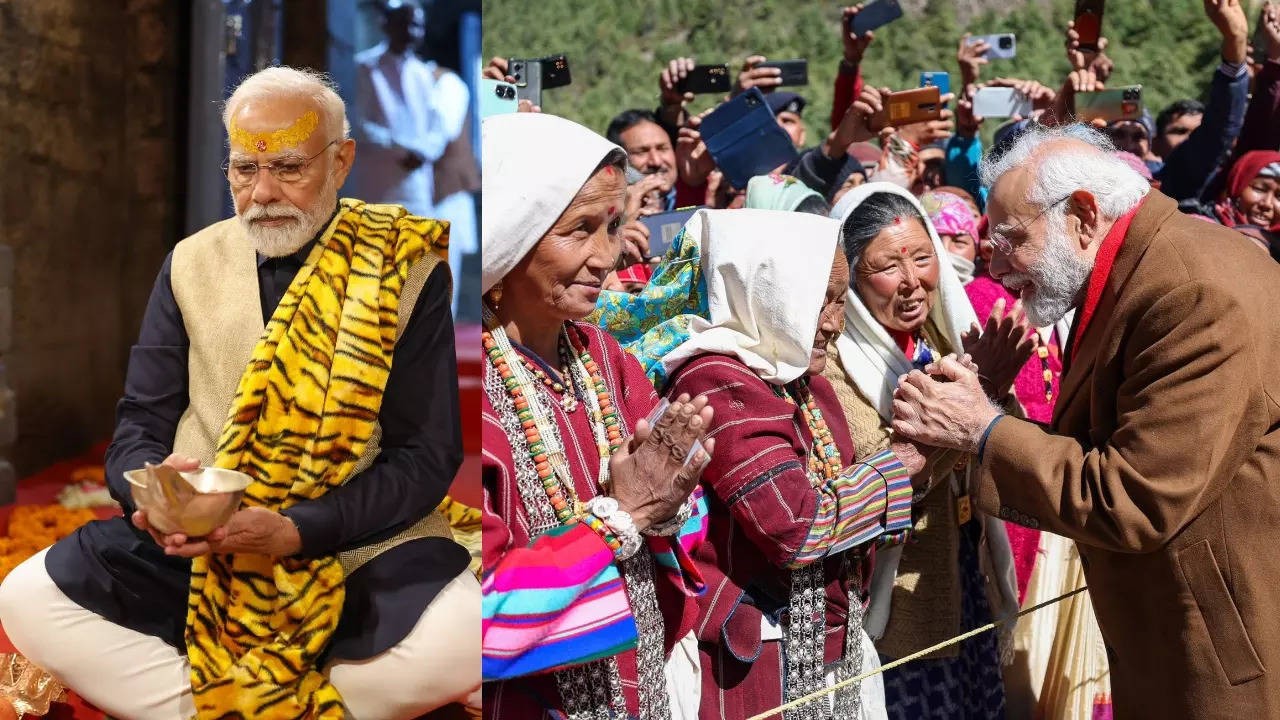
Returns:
(900,661)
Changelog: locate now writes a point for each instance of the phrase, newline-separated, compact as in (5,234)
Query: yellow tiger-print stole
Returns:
(303,413)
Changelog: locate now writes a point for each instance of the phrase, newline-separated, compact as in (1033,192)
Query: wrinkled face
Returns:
(853,181)
(794,126)
(1130,137)
(279,216)
(1260,202)
(897,274)
(831,320)
(649,150)
(563,275)
(961,245)
(1178,130)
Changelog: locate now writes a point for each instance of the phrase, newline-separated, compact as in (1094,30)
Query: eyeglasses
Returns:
(241,173)
(1003,244)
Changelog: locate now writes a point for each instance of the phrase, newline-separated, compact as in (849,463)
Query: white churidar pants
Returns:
(134,676)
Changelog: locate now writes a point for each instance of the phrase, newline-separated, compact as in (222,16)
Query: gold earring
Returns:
(495,295)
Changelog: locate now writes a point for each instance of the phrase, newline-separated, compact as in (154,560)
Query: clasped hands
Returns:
(652,474)
(949,405)
(253,530)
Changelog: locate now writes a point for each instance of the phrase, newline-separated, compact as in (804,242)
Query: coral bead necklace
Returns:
(549,461)
(824,458)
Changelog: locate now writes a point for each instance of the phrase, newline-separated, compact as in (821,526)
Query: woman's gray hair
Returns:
(617,157)
(290,82)
(876,212)
(1116,187)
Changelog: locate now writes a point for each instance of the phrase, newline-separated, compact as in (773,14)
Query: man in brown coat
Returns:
(1163,458)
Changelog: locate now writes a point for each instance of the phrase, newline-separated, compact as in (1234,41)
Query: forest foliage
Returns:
(617,49)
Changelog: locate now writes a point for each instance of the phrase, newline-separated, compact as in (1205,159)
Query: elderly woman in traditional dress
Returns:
(792,512)
(588,514)
(905,308)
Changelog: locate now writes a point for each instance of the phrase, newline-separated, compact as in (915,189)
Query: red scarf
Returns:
(1102,272)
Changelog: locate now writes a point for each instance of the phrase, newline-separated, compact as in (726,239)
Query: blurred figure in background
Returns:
(412,129)
(397,124)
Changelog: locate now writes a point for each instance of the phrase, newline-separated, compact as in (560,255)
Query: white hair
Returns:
(290,82)
(301,225)
(1116,187)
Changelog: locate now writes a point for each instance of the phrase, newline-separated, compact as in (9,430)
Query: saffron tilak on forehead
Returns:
(277,140)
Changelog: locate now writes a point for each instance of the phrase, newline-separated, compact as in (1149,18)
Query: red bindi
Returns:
(608,169)
(903,251)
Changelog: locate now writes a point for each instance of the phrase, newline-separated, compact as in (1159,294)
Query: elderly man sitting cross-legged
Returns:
(306,342)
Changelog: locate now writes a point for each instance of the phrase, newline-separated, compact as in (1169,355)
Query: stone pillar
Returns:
(88,207)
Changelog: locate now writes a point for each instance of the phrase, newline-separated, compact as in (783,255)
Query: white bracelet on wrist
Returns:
(619,523)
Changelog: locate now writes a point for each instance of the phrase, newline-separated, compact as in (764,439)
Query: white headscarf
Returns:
(867,352)
(766,273)
(534,165)
(874,362)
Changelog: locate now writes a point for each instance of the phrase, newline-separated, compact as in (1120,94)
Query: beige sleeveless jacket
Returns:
(215,283)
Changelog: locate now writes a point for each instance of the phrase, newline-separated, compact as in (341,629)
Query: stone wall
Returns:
(87,208)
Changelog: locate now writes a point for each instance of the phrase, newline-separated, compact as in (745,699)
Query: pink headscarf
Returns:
(950,214)
(1134,162)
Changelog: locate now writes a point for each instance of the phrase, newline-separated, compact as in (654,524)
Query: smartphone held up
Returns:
(704,79)
(1123,103)
(907,107)
(533,75)
(1088,24)
(497,97)
(793,72)
(1003,46)
(1001,102)
(874,15)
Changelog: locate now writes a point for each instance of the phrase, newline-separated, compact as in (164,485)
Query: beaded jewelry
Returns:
(1042,351)
(593,690)
(550,465)
(824,458)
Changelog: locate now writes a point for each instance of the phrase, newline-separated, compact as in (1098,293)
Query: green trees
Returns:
(616,49)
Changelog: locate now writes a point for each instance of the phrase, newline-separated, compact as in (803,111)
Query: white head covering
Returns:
(874,362)
(766,273)
(867,352)
(534,165)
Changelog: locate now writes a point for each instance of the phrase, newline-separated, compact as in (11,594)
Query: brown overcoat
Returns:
(1163,464)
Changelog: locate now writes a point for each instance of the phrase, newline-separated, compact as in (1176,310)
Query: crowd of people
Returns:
(837,421)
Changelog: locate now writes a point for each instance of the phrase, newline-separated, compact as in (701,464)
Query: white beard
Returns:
(1057,276)
(287,239)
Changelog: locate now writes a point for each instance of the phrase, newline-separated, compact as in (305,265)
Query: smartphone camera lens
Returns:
(1130,94)
(1006,43)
